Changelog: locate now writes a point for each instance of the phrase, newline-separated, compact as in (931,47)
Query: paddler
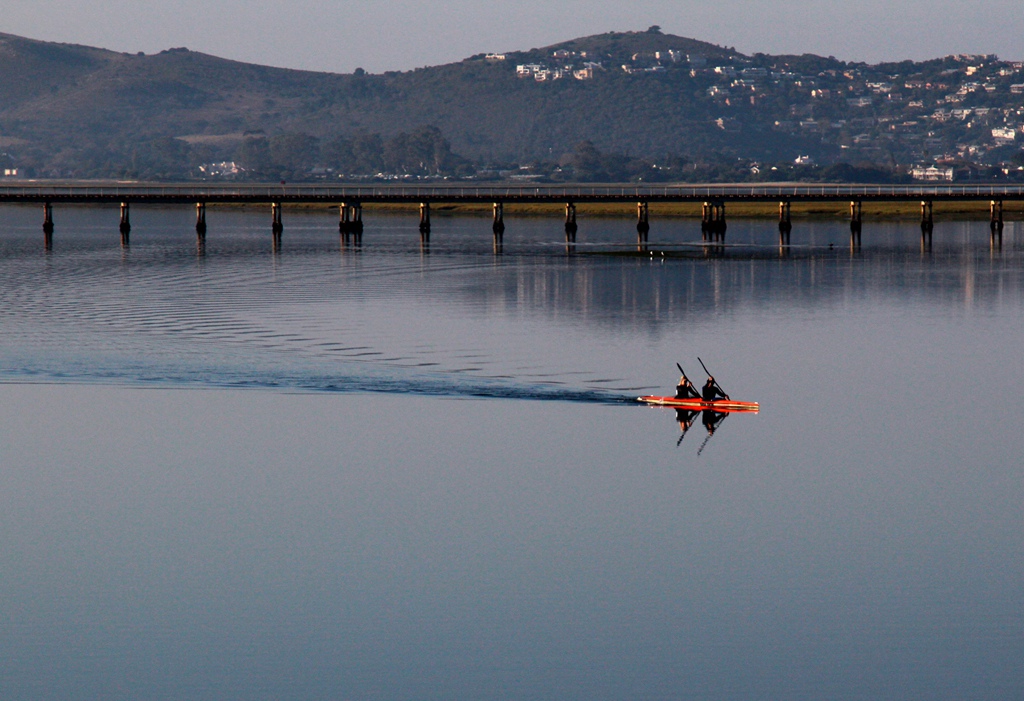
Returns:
(685,389)
(712,392)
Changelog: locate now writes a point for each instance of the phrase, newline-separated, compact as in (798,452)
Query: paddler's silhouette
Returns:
(685,389)
(712,391)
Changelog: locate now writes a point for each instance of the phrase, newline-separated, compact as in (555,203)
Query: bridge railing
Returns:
(497,193)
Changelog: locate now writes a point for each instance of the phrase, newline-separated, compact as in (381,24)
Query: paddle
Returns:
(718,386)
(701,448)
(683,372)
(708,437)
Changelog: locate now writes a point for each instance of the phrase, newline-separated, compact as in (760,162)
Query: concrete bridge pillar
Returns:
(785,221)
(996,224)
(570,222)
(927,225)
(277,222)
(643,221)
(785,216)
(996,215)
(856,219)
(498,222)
(424,219)
(720,225)
(48,225)
(350,218)
(344,219)
(356,222)
(713,226)
(927,215)
(126,224)
(200,219)
(357,218)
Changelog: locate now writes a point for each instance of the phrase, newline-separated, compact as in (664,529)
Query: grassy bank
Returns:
(825,210)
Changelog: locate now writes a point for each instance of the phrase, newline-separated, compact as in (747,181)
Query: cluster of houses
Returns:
(568,64)
(542,73)
(224,169)
(953,117)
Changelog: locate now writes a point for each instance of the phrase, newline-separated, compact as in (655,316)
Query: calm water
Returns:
(389,474)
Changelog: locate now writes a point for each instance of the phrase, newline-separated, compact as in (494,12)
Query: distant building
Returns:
(932,174)
(1004,136)
(10,172)
(1017,88)
(221,170)
(546,74)
(495,57)
(527,70)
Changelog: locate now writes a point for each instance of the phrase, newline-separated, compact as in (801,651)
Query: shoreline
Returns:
(882,211)
(970,210)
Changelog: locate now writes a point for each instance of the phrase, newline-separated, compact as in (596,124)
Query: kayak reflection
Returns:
(709,418)
(712,420)
(685,418)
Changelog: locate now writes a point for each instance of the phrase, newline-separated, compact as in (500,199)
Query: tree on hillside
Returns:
(293,155)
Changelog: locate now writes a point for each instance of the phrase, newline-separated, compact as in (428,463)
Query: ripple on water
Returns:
(308,320)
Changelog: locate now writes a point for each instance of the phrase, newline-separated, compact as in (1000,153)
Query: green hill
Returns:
(660,103)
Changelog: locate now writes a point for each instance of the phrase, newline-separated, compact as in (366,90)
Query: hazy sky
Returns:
(338,36)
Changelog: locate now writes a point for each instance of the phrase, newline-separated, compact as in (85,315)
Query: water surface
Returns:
(384,473)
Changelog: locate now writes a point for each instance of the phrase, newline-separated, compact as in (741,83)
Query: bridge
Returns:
(350,199)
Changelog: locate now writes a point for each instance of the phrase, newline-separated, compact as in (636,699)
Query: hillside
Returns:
(613,105)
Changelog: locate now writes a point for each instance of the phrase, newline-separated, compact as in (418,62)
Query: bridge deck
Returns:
(85,193)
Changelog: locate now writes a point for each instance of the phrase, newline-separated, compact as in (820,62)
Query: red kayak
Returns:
(721,405)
